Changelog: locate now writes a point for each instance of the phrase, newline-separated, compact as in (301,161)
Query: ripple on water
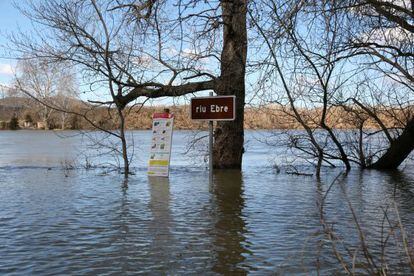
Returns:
(244,222)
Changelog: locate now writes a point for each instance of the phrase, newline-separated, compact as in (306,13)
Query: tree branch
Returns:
(168,90)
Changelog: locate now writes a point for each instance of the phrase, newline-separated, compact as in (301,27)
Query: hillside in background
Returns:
(265,117)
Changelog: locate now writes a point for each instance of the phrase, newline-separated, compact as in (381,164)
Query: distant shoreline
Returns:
(27,115)
(188,129)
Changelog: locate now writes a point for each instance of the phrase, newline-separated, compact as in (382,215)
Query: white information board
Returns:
(160,153)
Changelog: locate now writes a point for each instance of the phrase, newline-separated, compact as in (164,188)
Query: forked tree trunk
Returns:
(229,135)
(398,150)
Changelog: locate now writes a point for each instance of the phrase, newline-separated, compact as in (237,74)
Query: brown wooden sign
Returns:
(218,108)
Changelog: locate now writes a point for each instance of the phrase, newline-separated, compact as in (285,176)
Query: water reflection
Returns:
(366,202)
(257,221)
(230,227)
(401,182)
(161,223)
(401,186)
(123,236)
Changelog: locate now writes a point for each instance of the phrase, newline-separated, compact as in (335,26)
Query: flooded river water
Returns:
(56,217)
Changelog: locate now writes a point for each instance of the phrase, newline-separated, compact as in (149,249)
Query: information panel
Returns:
(160,153)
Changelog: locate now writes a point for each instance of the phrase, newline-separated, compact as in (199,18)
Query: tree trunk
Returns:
(125,154)
(45,118)
(229,135)
(124,142)
(46,124)
(398,150)
(63,121)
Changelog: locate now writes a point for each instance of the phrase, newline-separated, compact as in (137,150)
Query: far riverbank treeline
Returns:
(25,113)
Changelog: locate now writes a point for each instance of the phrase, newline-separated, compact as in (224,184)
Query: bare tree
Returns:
(129,51)
(135,49)
(384,33)
(66,95)
(311,72)
(330,79)
(3,91)
(41,81)
(97,42)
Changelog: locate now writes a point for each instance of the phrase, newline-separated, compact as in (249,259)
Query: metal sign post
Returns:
(213,108)
(210,148)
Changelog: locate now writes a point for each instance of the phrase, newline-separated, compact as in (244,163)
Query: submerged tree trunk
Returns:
(124,142)
(229,135)
(398,151)
(125,154)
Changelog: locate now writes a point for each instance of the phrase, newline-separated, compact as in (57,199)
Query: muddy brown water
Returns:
(56,217)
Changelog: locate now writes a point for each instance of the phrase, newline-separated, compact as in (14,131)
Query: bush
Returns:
(28,118)
(14,123)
